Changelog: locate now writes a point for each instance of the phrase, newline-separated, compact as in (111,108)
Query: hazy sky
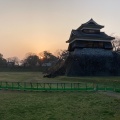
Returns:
(38,25)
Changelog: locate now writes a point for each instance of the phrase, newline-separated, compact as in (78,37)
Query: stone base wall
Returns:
(93,62)
(91,52)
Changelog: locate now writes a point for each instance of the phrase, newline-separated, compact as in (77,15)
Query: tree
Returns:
(13,60)
(31,60)
(116,43)
(47,56)
(3,61)
(62,54)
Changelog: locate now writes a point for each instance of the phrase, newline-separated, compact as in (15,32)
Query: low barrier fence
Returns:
(57,86)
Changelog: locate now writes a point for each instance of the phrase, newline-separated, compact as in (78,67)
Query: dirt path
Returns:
(112,94)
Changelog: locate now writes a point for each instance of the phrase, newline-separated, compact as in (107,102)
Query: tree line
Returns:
(32,61)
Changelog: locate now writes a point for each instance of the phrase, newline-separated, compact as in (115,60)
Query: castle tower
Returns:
(90,51)
(88,35)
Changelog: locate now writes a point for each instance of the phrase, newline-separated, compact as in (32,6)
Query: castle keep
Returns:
(88,35)
(91,52)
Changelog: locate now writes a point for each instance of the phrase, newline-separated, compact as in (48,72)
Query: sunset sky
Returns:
(38,25)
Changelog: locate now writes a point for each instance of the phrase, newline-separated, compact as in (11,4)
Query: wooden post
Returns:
(24,86)
(37,86)
(57,86)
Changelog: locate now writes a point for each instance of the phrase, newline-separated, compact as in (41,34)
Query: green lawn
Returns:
(99,79)
(17,105)
(58,106)
(38,77)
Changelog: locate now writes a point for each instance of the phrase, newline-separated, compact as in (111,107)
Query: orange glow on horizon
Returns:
(44,25)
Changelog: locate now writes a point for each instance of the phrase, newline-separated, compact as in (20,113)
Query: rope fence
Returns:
(25,86)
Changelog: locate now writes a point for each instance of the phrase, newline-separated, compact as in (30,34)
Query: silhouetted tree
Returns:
(3,61)
(31,60)
(62,54)
(116,43)
(47,56)
(13,60)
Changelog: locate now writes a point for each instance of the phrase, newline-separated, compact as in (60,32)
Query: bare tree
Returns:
(62,54)
(13,60)
(3,61)
(116,43)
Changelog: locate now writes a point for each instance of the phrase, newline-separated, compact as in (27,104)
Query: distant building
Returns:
(10,64)
(46,64)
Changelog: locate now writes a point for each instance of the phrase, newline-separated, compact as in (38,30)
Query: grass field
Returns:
(16,105)
(38,77)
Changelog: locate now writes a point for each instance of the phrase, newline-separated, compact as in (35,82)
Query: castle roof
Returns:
(91,24)
(80,35)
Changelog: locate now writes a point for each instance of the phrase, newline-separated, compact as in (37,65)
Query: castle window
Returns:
(91,31)
(92,44)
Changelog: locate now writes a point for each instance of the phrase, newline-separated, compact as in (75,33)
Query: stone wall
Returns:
(87,62)
(92,62)
(92,52)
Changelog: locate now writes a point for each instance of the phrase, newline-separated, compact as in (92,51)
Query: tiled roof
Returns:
(81,35)
(90,24)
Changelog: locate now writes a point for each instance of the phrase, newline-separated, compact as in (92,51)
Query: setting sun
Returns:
(41,57)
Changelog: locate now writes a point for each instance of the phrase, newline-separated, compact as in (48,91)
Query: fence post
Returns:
(57,86)
(105,88)
(24,86)
(51,85)
(95,87)
(6,86)
(86,86)
(44,86)
(18,85)
(12,86)
(71,86)
(1,85)
(37,86)
(64,86)
(78,86)
(114,88)
(31,86)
